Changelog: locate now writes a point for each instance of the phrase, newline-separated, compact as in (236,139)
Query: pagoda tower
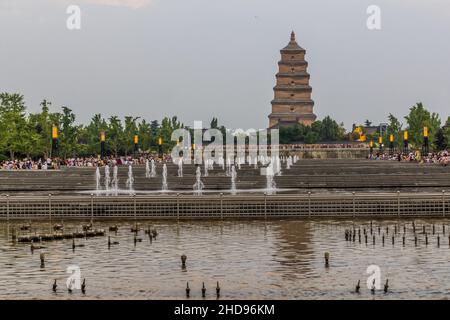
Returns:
(292,103)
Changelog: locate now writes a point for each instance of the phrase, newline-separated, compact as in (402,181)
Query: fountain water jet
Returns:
(97,179)
(270,182)
(147,169)
(198,185)
(164,179)
(130,179)
(233,180)
(206,168)
(115,180)
(153,171)
(180,168)
(107,178)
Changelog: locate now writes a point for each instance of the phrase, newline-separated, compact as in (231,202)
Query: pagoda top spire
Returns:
(292,45)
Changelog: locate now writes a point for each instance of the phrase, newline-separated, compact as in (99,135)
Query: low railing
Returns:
(224,206)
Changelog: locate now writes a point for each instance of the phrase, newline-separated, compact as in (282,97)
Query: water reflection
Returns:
(251,259)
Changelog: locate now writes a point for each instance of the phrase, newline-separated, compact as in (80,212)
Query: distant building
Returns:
(365,131)
(292,103)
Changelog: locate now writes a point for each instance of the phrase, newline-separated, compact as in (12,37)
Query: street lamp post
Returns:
(405,142)
(380,142)
(136,144)
(391,144)
(425,148)
(160,151)
(55,146)
(102,144)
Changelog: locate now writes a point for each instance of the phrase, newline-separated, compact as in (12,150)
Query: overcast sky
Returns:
(203,58)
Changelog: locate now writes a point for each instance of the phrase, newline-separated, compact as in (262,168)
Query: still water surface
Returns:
(277,259)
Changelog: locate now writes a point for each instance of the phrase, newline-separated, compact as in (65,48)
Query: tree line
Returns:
(415,121)
(29,135)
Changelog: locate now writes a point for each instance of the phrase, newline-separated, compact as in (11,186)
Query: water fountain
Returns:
(198,185)
(164,179)
(180,168)
(97,179)
(147,169)
(210,164)
(153,170)
(270,182)
(107,178)
(206,168)
(277,165)
(130,179)
(233,180)
(115,180)
(228,173)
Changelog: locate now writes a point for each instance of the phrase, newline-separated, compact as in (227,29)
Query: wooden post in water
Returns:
(398,202)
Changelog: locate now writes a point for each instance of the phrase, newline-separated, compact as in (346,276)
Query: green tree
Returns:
(418,118)
(214,123)
(68,137)
(13,124)
(446,132)
(394,128)
(440,141)
(115,135)
(130,130)
(144,132)
(311,137)
(90,135)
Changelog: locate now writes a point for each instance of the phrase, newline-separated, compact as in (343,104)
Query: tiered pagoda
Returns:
(292,103)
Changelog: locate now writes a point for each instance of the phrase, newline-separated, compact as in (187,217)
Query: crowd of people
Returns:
(56,163)
(442,157)
(323,146)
